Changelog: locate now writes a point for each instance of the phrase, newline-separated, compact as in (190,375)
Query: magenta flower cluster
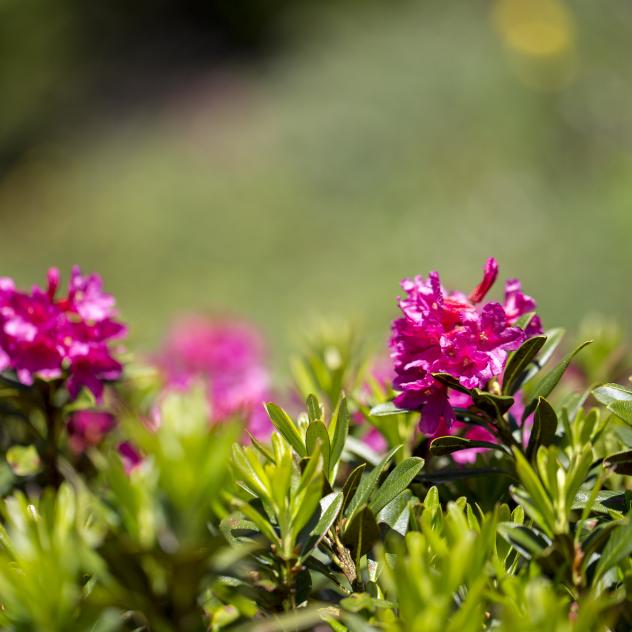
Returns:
(228,356)
(449,332)
(48,337)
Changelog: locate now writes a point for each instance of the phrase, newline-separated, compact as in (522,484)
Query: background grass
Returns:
(378,143)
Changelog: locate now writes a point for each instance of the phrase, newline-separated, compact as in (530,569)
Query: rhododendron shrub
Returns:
(478,478)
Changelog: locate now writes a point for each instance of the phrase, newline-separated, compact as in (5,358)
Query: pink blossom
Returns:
(229,356)
(88,428)
(446,332)
(130,456)
(45,337)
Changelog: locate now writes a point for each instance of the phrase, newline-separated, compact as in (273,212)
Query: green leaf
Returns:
(621,462)
(388,408)
(451,382)
(493,405)
(369,482)
(553,340)
(605,501)
(361,533)
(551,379)
(351,484)
(622,409)
(23,460)
(619,547)
(528,542)
(314,411)
(518,363)
(338,429)
(330,507)
(316,431)
(396,514)
(396,482)
(286,427)
(544,427)
(607,394)
(449,444)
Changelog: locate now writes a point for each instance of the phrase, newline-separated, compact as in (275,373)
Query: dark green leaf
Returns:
(606,500)
(493,405)
(286,427)
(544,427)
(528,542)
(451,382)
(518,363)
(369,482)
(351,484)
(449,444)
(621,462)
(396,482)
(388,408)
(361,533)
(551,379)
(330,507)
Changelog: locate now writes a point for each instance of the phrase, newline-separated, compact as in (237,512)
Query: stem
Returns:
(54,425)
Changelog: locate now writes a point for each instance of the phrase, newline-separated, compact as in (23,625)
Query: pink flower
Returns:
(446,332)
(45,337)
(130,456)
(88,428)
(229,357)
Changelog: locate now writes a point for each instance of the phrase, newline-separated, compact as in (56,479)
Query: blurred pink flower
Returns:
(130,456)
(88,428)
(446,332)
(45,337)
(229,356)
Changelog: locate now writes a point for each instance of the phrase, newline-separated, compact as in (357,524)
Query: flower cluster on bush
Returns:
(506,507)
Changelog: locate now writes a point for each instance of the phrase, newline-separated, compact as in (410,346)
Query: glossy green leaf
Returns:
(330,507)
(396,514)
(286,427)
(388,408)
(607,394)
(493,405)
(518,363)
(396,482)
(544,427)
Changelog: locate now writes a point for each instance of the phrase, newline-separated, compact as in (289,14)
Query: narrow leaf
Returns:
(316,432)
(361,533)
(388,408)
(551,379)
(396,482)
(330,507)
(607,394)
(622,409)
(544,427)
(286,427)
(449,444)
(518,362)
(339,429)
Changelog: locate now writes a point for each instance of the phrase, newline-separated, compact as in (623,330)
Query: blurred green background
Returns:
(288,160)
